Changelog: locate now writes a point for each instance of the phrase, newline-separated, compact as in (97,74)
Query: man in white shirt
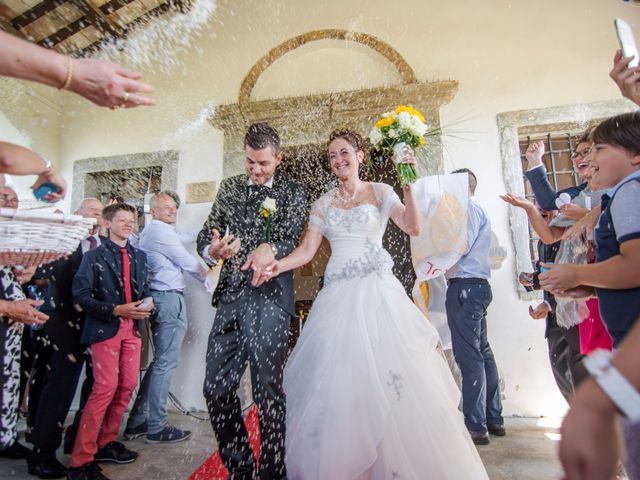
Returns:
(168,259)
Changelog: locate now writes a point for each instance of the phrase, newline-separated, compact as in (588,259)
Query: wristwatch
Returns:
(274,249)
(618,389)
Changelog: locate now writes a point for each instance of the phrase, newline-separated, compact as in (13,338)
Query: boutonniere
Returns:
(267,209)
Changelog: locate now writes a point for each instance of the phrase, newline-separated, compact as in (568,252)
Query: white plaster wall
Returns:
(30,116)
(506,55)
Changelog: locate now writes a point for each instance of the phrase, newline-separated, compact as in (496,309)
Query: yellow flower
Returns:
(385,122)
(422,141)
(411,111)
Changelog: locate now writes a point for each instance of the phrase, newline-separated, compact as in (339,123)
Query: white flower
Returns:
(269,205)
(376,136)
(404,119)
(393,133)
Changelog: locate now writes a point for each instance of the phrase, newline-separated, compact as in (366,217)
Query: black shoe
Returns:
(115,452)
(90,471)
(480,438)
(168,434)
(51,468)
(497,430)
(16,451)
(131,433)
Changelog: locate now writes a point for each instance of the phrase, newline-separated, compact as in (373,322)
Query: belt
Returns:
(179,292)
(468,280)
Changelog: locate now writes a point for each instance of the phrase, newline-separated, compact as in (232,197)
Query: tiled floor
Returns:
(528,452)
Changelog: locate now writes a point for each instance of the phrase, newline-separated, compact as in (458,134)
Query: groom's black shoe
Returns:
(480,438)
(497,430)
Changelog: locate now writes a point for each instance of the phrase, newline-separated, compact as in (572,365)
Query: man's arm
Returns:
(215,220)
(83,288)
(544,192)
(170,246)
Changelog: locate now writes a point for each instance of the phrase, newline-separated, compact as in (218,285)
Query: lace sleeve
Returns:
(389,200)
(316,216)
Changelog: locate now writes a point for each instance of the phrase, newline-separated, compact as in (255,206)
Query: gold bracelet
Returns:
(69,74)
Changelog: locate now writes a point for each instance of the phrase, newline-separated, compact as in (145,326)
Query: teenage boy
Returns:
(110,287)
(616,274)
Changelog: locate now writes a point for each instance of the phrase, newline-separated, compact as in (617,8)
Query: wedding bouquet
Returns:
(396,130)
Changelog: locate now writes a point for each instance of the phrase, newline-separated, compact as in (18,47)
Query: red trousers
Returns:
(116,364)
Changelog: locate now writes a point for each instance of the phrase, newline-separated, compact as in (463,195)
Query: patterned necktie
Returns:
(126,275)
(93,243)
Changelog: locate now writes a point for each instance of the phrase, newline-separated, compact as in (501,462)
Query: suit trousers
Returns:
(60,383)
(252,330)
(466,305)
(116,362)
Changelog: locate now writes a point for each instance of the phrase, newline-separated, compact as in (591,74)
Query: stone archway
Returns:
(383,48)
(308,120)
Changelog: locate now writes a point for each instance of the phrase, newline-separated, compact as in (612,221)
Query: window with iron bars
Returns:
(557,159)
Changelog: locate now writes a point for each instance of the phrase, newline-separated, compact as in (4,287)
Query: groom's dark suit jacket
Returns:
(238,208)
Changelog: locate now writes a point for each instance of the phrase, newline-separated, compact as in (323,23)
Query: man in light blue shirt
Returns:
(468,297)
(168,259)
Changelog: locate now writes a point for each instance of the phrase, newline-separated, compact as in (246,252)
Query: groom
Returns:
(251,324)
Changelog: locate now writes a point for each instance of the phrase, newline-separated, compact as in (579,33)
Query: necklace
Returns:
(345,198)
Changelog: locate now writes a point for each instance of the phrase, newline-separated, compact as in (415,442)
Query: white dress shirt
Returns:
(85,245)
(167,257)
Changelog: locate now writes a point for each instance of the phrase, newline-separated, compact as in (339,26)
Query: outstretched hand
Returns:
(541,311)
(259,261)
(109,85)
(269,272)
(627,79)
(517,201)
(52,176)
(558,278)
(223,248)
(24,311)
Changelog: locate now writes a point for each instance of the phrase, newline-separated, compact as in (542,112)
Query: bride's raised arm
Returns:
(406,216)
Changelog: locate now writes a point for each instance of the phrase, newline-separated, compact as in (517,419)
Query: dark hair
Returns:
(473,181)
(109,211)
(621,131)
(262,135)
(587,136)
(351,136)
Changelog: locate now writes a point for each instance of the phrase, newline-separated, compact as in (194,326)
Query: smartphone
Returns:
(145,303)
(627,41)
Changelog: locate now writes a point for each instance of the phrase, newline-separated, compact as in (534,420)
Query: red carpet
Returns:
(213,468)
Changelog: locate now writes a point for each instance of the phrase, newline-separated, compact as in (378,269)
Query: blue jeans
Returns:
(466,304)
(168,330)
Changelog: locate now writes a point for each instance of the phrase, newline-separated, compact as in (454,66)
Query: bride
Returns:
(368,394)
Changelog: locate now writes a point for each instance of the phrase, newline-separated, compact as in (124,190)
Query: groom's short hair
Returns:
(262,135)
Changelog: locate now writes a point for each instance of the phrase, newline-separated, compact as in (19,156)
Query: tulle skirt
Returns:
(369,396)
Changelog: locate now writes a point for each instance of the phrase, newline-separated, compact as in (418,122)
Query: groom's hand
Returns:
(259,260)
(223,248)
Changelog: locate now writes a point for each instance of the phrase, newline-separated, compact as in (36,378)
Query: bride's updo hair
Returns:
(351,136)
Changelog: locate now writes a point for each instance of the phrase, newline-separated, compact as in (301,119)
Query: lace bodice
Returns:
(355,234)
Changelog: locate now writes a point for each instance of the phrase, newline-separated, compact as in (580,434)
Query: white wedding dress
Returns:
(368,394)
